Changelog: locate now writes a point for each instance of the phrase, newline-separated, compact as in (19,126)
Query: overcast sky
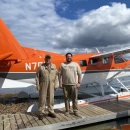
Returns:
(61,26)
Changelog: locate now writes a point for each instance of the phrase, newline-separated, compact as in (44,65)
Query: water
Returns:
(107,125)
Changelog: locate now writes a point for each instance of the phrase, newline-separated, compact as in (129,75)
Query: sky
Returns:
(76,26)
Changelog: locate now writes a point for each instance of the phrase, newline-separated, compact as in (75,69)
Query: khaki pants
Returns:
(46,91)
(70,91)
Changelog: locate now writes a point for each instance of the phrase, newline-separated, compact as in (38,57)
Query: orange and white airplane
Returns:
(18,66)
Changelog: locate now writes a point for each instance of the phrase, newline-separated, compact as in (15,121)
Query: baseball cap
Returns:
(47,56)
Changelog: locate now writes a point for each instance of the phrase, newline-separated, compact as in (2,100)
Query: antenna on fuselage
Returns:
(97,50)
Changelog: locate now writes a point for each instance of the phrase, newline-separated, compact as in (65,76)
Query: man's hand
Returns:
(55,89)
(38,88)
(77,85)
(61,86)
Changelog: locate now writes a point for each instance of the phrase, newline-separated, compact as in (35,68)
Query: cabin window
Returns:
(105,60)
(94,61)
(118,59)
(83,63)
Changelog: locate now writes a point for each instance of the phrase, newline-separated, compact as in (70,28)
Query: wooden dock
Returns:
(89,114)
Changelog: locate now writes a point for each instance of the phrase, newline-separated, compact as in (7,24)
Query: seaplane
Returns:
(18,66)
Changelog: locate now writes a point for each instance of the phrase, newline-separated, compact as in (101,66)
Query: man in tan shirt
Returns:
(69,72)
(46,82)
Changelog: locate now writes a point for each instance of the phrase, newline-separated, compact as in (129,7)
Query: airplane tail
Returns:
(9,47)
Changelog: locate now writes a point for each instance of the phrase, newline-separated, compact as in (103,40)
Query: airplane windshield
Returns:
(118,59)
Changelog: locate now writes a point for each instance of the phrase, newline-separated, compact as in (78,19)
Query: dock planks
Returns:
(89,114)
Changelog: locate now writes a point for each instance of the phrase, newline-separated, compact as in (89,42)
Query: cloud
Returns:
(36,24)
(80,12)
(62,5)
(33,23)
(104,27)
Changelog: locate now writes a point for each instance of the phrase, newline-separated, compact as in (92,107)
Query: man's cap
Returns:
(47,56)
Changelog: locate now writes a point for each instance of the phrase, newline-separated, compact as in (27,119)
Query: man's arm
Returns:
(60,76)
(37,78)
(79,78)
(56,80)
(79,75)
(60,80)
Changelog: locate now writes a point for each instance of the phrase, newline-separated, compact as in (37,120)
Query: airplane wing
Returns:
(116,52)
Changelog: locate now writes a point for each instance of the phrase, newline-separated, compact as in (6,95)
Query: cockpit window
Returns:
(118,59)
(94,61)
(105,60)
(83,63)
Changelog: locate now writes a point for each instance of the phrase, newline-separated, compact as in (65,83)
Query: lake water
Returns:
(107,125)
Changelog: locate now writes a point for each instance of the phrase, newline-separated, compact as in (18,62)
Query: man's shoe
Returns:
(52,115)
(70,111)
(77,114)
(40,117)
(67,113)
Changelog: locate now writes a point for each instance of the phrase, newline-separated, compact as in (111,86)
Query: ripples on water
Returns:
(107,125)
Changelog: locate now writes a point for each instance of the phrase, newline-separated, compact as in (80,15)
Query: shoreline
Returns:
(10,104)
